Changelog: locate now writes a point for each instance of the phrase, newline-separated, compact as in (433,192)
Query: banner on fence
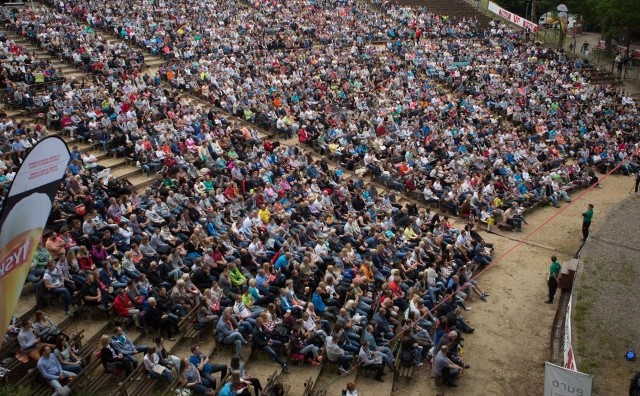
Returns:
(559,381)
(569,358)
(511,17)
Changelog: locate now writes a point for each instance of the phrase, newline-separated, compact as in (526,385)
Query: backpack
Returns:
(407,357)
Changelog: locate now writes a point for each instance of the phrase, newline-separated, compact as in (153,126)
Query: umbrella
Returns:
(562,8)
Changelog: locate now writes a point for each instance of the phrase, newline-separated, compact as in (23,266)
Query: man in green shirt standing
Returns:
(554,274)
(586,222)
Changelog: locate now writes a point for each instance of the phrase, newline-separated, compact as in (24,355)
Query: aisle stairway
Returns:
(120,167)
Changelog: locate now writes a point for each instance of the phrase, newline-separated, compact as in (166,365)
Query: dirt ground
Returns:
(605,316)
(511,342)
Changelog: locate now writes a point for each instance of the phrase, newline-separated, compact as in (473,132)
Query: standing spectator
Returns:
(587,216)
(554,274)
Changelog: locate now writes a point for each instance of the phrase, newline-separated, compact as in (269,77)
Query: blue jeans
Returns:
(344,361)
(55,383)
(310,348)
(66,297)
(72,368)
(271,351)
(237,339)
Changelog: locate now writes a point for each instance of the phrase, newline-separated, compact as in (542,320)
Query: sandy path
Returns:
(511,343)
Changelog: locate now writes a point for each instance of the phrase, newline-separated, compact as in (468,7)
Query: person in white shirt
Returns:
(153,366)
(90,160)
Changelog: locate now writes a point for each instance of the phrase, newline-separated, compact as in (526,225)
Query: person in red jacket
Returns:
(124,306)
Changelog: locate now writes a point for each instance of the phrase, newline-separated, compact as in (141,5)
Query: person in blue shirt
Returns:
(74,167)
(282,263)
(203,365)
(320,307)
(75,154)
(50,368)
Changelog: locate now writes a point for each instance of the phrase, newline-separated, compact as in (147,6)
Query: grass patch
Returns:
(589,365)
(580,313)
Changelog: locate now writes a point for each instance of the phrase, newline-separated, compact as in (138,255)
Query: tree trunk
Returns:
(534,18)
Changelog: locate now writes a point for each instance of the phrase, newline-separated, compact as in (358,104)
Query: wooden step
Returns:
(126,171)
(141,181)
(106,160)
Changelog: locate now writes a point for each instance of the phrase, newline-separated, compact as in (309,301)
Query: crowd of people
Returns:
(270,243)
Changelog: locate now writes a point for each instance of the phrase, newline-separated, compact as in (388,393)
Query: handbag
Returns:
(52,336)
(81,210)
(281,330)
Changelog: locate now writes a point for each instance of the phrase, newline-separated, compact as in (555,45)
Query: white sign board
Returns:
(559,381)
(511,17)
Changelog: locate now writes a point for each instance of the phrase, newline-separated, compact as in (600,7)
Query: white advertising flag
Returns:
(24,216)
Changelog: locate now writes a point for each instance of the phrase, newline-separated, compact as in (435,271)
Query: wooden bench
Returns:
(85,374)
(171,389)
(187,328)
(134,379)
(271,381)
(90,310)
(117,320)
(307,390)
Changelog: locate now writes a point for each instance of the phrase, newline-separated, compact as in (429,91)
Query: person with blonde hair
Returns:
(112,360)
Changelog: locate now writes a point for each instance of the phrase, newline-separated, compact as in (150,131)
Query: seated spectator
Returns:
(228,331)
(445,369)
(300,345)
(206,369)
(51,369)
(92,294)
(54,283)
(112,360)
(192,380)
(29,342)
(124,307)
(371,360)
(153,366)
(45,330)
(66,355)
(272,347)
(123,344)
(337,355)
(166,360)
(158,319)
